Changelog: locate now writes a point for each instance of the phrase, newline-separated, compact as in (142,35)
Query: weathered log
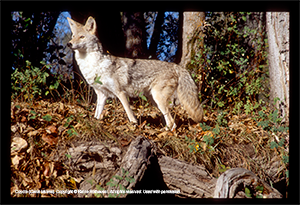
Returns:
(234,181)
(139,169)
(192,180)
(90,163)
(133,165)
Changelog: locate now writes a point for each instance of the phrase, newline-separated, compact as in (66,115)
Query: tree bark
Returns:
(156,34)
(231,184)
(134,163)
(139,169)
(192,180)
(191,31)
(278,39)
(135,34)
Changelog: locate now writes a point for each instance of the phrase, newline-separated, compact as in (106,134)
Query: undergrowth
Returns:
(239,129)
(221,142)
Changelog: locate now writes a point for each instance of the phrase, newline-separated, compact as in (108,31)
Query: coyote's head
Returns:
(84,37)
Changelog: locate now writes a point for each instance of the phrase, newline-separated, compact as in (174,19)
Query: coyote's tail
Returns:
(188,96)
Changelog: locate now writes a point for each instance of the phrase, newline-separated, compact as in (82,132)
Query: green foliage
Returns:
(30,36)
(273,124)
(116,183)
(247,192)
(97,79)
(271,121)
(71,131)
(47,117)
(142,96)
(209,139)
(232,60)
(32,82)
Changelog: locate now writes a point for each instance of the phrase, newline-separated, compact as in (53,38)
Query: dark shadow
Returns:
(152,180)
(281,187)
(156,122)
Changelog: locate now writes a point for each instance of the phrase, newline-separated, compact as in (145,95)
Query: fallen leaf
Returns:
(23,119)
(17,145)
(124,142)
(51,129)
(49,139)
(33,133)
(47,169)
(163,134)
(15,161)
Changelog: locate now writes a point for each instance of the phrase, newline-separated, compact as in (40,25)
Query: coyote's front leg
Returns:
(101,97)
(122,97)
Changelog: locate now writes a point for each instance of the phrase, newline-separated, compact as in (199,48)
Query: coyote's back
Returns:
(122,77)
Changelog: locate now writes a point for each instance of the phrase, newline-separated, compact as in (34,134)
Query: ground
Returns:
(223,141)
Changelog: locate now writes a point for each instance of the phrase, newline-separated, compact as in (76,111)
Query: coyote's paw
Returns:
(99,116)
(174,127)
(166,128)
(133,120)
(132,125)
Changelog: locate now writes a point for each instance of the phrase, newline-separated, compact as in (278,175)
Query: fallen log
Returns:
(139,171)
(233,183)
(192,180)
(133,166)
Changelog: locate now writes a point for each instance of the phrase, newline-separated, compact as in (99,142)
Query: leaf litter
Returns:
(38,128)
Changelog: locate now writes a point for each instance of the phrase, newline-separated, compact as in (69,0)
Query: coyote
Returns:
(119,77)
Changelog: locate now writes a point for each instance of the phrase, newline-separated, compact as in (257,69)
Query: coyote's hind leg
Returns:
(161,95)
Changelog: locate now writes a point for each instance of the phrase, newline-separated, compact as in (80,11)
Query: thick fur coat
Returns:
(122,77)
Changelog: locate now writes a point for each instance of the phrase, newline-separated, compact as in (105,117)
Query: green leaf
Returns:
(205,127)
(42,62)
(247,192)
(285,159)
(273,145)
(118,177)
(97,80)
(33,112)
(47,117)
(259,188)
(142,96)
(287,174)
(69,156)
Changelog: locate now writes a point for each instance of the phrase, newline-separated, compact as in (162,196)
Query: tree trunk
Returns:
(135,34)
(191,31)
(278,39)
(156,34)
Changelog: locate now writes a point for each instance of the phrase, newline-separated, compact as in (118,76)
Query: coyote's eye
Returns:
(81,36)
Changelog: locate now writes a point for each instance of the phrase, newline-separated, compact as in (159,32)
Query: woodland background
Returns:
(239,61)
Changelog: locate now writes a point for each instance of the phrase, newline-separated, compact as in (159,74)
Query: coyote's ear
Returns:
(90,25)
(74,25)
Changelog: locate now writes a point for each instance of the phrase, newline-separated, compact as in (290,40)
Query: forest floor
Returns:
(223,141)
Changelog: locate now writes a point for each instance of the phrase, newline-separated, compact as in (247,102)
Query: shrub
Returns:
(33,82)
(233,60)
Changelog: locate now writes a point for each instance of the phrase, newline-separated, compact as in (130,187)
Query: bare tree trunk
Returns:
(278,39)
(156,34)
(192,29)
(135,34)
